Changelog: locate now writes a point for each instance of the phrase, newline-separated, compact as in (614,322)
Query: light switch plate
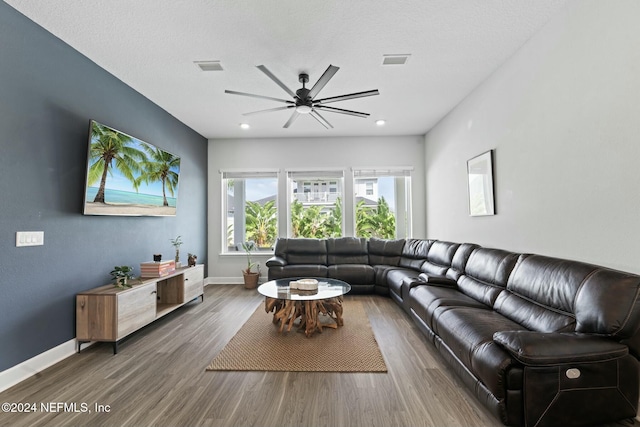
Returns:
(29,238)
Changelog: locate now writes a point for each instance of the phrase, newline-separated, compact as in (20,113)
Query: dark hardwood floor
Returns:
(158,378)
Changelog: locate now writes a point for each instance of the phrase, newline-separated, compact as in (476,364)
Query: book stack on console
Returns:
(157,269)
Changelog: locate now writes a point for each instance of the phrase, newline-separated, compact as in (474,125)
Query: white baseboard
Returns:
(225,280)
(229,280)
(28,368)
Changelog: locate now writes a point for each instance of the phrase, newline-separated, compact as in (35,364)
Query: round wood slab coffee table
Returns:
(290,304)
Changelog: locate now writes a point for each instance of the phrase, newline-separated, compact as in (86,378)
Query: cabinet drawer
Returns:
(136,308)
(193,282)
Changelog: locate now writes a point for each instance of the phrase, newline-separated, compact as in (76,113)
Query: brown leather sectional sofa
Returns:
(540,341)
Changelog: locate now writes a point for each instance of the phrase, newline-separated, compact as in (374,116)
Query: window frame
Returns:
(332,175)
(364,173)
(225,175)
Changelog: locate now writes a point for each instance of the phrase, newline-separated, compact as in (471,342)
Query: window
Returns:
(315,204)
(369,187)
(382,203)
(251,201)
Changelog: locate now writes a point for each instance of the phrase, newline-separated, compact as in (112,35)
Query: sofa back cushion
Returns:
(302,250)
(385,252)
(347,250)
(551,294)
(414,253)
(486,274)
(439,258)
(460,259)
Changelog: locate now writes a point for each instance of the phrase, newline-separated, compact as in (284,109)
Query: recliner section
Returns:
(540,341)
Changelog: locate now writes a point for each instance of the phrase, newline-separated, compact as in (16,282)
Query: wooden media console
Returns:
(110,314)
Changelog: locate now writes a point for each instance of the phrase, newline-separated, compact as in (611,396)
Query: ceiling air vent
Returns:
(209,65)
(396,59)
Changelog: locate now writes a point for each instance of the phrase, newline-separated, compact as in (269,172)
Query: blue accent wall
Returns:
(48,94)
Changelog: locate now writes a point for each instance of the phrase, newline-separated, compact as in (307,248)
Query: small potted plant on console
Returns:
(121,274)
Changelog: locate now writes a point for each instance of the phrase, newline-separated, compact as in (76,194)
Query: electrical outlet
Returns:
(29,238)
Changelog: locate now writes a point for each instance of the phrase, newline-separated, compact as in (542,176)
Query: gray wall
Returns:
(48,94)
(562,115)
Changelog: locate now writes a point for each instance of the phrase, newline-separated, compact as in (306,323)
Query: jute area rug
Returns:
(258,346)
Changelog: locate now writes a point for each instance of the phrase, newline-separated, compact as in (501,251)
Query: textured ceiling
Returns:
(151,45)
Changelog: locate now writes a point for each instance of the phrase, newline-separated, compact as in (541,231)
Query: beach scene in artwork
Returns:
(126,176)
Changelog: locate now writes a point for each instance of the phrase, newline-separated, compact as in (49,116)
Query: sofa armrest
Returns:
(276,261)
(438,280)
(545,349)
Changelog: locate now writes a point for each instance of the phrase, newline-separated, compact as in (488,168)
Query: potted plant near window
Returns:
(250,277)
(121,274)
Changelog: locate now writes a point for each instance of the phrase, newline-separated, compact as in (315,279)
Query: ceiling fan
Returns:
(304,100)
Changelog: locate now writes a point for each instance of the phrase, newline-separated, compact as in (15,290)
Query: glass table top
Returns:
(327,288)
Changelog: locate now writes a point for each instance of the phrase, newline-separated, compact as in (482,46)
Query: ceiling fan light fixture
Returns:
(381,122)
(304,109)
(244,125)
(305,100)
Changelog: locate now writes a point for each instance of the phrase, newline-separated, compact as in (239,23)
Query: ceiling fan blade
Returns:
(292,119)
(348,96)
(233,92)
(276,80)
(269,110)
(323,80)
(341,110)
(321,119)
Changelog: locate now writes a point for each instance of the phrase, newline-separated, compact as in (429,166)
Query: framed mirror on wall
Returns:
(480,185)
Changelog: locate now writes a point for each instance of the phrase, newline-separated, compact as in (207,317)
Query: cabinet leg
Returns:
(80,345)
(115,347)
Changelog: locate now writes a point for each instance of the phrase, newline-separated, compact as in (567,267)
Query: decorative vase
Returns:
(192,260)
(250,280)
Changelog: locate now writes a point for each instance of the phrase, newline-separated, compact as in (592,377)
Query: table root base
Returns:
(285,313)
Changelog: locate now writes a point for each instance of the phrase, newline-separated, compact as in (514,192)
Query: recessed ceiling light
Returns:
(381,122)
(244,125)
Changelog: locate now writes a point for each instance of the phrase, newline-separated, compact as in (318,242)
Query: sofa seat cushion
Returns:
(354,274)
(424,300)
(297,270)
(468,332)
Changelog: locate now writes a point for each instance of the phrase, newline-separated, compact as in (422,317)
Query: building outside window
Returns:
(251,210)
(382,203)
(315,204)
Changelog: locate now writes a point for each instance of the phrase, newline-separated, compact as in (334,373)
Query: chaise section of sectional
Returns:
(575,369)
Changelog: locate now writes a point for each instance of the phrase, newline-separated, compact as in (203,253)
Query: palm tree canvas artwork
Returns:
(126,176)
